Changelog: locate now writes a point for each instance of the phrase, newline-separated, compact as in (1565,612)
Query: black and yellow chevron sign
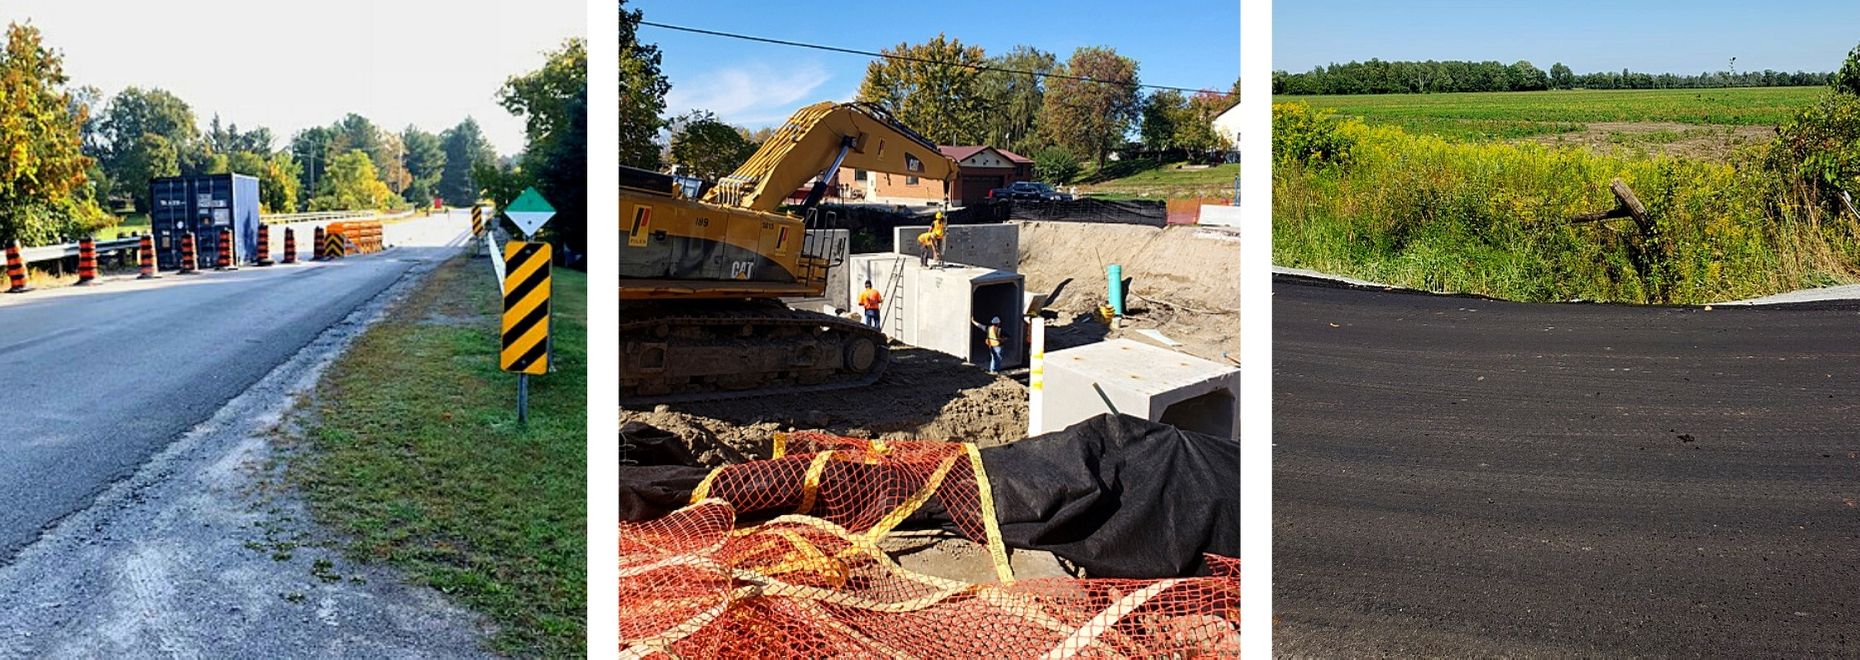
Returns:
(526,308)
(332,246)
(477,219)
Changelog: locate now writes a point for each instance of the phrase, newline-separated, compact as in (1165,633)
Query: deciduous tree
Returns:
(553,102)
(1092,116)
(426,162)
(642,95)
(43,189)
(465,146)
(351,184)
(1014,98)
(707,147)
(937,91)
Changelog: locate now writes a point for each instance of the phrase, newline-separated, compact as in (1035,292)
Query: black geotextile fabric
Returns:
(1120,496)
(657,472)
(1132,212)
(1117,495)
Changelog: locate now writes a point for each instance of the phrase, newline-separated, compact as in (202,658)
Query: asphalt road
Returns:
(94,381)
(1461,476)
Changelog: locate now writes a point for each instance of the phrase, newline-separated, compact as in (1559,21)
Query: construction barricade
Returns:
(346,238)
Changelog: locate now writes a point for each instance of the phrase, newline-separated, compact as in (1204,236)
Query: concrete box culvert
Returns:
(1141,380)
(994,246)
(932,307)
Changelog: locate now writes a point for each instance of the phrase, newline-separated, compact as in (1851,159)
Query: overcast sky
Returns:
(293,65)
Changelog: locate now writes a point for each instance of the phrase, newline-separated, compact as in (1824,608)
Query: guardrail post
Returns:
(145,257)
(15,270)
(290,246)
(87,261)
(263,258)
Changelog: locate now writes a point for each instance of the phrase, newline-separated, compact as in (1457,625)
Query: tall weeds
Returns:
(1493,218)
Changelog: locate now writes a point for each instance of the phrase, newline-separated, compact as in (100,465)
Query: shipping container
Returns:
(202,206)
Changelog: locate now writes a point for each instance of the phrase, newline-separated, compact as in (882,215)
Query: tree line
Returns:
(1407,77)
(1025,100)
(75,157)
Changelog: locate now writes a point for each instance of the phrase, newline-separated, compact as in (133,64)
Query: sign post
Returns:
(526,342)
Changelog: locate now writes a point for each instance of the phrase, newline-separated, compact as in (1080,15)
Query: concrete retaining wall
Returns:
(994,246)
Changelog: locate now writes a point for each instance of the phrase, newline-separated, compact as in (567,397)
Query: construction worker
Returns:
(871,301)
(931,242)
(994,342)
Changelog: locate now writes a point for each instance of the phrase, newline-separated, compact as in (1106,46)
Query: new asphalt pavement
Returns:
(1462,476)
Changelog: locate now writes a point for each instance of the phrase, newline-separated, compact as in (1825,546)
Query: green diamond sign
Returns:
(529,211)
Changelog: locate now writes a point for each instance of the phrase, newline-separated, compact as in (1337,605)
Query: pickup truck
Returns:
(1028,190)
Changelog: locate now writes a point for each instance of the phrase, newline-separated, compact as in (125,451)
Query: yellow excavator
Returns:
(704,265)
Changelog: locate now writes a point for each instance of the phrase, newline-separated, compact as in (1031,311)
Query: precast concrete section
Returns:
(1140,380)
(932,307)
(994,246)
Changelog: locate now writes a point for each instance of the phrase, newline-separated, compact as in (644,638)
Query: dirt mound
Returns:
(1185,280)
(924,395)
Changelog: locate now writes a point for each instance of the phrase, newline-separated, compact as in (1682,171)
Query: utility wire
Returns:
(907,58)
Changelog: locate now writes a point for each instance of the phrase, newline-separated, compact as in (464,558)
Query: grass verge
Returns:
(415,456)
(1139,179)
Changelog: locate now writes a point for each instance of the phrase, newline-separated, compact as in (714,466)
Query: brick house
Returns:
(979,170)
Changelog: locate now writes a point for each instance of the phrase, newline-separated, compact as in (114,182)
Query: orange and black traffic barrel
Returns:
(316,248)
(15,270)
(224,261)
(145,256)
(290,246)
(263,258)
(190,259)
(87,261)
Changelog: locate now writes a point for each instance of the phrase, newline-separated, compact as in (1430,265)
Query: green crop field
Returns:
(1511,115)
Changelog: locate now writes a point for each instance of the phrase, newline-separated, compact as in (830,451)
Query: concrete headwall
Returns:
(1225,216)
(994,246)
(1141,380)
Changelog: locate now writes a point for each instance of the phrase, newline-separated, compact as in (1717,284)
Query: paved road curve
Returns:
(1459,476)
(95,381)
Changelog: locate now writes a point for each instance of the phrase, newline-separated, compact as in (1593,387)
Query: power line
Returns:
(920,60)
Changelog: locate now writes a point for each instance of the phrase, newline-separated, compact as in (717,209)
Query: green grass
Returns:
(416,458)
(1144,179)
(1510,115)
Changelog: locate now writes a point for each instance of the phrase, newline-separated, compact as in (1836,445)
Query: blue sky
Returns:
(1587,35)
(1186,44)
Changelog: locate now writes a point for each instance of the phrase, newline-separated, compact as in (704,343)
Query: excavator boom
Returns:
(821,138)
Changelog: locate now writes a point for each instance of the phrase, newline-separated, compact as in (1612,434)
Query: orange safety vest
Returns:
(870,299)
(994,336)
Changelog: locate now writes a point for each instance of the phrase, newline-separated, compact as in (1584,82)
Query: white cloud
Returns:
(751,95)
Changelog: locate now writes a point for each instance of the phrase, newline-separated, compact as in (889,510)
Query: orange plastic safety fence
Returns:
(814,583)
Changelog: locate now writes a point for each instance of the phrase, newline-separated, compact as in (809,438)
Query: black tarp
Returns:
(1117,495)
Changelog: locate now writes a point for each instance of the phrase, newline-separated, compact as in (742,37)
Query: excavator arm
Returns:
(817,141)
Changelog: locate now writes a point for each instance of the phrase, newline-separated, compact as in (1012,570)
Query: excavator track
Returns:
(678,352)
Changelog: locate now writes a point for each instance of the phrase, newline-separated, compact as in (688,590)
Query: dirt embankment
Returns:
(1184,281)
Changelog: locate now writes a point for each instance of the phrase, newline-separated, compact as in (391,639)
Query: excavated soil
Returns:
(1185,282)
(924,395)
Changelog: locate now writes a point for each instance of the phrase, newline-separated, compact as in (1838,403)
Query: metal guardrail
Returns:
(68,250)
(55,252)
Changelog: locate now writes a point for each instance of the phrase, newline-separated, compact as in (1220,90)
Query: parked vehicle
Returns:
(1028,190)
